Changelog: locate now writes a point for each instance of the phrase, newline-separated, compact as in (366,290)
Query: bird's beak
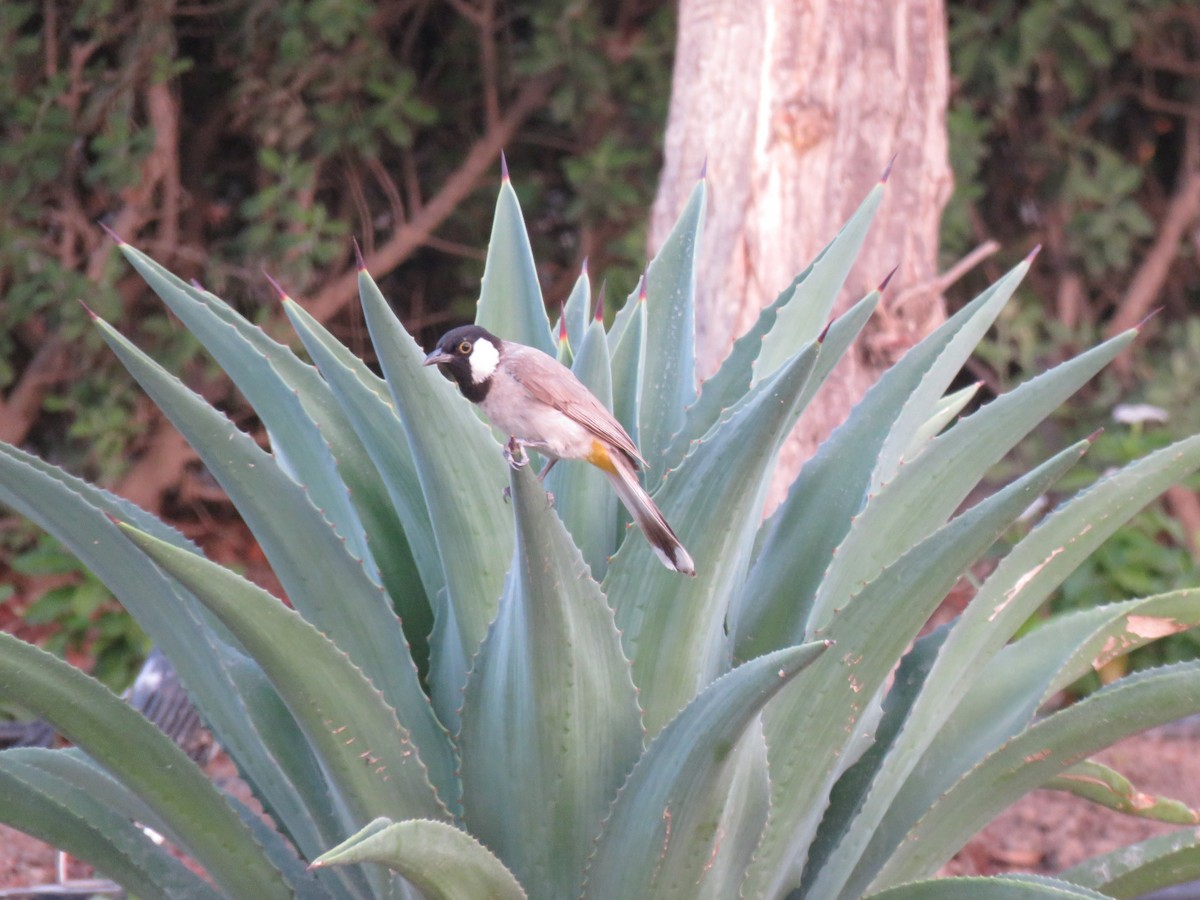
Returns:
(437,357)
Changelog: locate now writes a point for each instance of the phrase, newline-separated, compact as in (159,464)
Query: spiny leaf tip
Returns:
(887,278)
(704,168)
(280,292)
(888,169)
(1091,438)
(503,166)
(358,257)
(112,234)
(1032,254)
(600,301)
(1150,315)
(91,312)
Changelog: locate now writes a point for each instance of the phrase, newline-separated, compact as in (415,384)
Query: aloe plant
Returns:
(508,698)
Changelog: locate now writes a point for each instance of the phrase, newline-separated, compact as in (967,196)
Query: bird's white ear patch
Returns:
(484,359)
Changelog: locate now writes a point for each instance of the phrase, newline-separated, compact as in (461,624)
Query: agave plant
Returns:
(502,697)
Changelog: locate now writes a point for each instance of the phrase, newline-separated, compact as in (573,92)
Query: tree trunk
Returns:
(797,108)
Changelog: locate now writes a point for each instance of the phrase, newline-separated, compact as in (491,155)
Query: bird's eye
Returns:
(464,348)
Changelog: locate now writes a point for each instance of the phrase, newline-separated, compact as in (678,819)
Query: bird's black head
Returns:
(468,354)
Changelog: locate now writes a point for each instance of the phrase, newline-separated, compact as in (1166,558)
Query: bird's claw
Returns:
(514,454)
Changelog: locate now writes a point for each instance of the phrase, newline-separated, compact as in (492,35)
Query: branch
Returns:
(24,403)
(940,283)
(1182,210)
(413,233)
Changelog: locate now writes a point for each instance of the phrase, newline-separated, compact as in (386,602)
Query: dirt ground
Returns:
(1046,832)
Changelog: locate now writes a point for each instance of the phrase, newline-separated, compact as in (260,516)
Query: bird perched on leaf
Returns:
(541,405)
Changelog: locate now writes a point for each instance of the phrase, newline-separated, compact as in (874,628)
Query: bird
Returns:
(540,404)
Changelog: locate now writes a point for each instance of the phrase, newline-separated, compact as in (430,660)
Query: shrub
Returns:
(519,700)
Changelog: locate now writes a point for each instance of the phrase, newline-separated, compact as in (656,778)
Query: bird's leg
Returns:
(546,469)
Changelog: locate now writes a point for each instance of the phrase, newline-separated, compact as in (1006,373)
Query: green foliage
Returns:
(85,616)
(1067,126)
(285,128)
(533,726)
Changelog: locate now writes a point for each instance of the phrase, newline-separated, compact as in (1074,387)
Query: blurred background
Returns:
(225,137)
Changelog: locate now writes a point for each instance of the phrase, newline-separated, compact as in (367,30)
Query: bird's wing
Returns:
(551,382)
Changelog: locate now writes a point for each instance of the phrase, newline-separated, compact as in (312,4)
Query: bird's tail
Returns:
(649,519)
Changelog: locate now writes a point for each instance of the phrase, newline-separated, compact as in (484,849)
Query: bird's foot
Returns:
(514,454)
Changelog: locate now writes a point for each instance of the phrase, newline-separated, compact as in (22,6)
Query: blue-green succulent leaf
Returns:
(808,744)
(461,470)
(368,753)
(662,837)
(160,773)
(669,378)
(803,313)
(510,298)
(550,720)
(442,861)
(673,627)
(833,485)
(54,810)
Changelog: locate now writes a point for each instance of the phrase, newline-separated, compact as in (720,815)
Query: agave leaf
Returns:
(1100,784)
(461,471)
(848,793)
(368,753)
(673,627)
(1017,587)
(576,308)
(731,381)
(368,408)
(264,740)
(836,341)
(1010,688)
(624,315)
(927,490)
(55,811)
(1014,886)
(628,349)
(321,448)
(583,497)
(803,314)
(162,775)
(832,487)
(1117,629)
(945,411)
(669,378)
(337,596)
(1141,869)
(443,862)
(295,436)
(923,401)
(79,773)
(1134,703)
(510,298)
(871,634)
(661,837)
(550,720)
